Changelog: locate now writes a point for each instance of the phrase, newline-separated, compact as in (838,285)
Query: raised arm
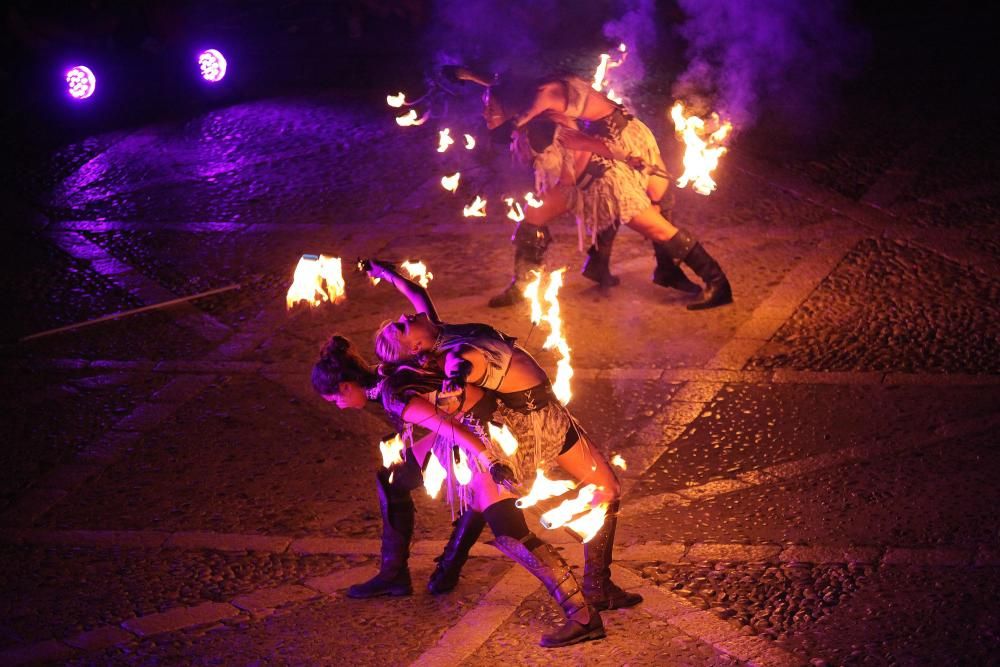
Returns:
(413,291)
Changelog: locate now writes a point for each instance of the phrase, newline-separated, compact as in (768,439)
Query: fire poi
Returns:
(703,146)
(317,279)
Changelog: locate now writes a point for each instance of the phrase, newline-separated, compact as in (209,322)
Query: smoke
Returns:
(783,56)
(637,30)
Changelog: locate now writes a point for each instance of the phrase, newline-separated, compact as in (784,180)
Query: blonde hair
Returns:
(387,345)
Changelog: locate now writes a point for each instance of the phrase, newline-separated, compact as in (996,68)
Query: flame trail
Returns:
(410,118)
(470,142)
(529,198)
(392,451)
(514,210)
(418,271)
(444,140)
(450,183)
(434,476)
(503,437)
(543,488)
(463,473)
(317,278)
(618,461)
(605,65)
(476,209)
(702,153)
(395,101)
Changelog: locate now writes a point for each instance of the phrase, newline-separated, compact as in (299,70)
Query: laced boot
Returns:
(393,577)
(468,527)
(583,622)
(668,274)
(597,266)
(683,247)
(530,243)
(602,593)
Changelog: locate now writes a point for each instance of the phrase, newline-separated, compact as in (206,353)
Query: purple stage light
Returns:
(212,64)
(81,82)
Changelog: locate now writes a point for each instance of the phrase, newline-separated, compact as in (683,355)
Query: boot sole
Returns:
(590,636)
(396,593)
(707,306)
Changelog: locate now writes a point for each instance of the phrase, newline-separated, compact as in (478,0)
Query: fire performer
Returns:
(571,102)
(477,355)
(578,173)
(342,376)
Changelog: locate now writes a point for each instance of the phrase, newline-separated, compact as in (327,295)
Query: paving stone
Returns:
(50,650)
(333,545)
(650,551)
(182,388)
(333,584)
(146,417)
(269,598)
(821,554)
(926,557)
(712,489)
(228,542)
(177,619)
(705,626)
(732,552)
(99,638)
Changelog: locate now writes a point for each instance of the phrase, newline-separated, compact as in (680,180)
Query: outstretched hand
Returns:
(379,269)
(503,475)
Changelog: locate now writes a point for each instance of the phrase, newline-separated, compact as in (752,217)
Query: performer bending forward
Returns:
(341,376)
(477,355)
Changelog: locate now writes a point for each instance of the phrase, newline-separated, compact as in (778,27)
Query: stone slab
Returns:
(332,584)
(146,417)
(228,542)
(713,489)
(46,651)
(703,552)
(821,554)
(269,598)
(100,638)
(672,552)
(180,618)
(705,626)
(927,557)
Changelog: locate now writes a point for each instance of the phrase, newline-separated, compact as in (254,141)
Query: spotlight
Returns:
(212,65)
(80,82)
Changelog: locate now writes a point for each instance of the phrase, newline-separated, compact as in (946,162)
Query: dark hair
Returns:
(340,362)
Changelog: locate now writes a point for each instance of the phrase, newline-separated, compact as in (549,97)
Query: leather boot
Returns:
(393,577)
(685,248)
(597,266)
(583,622)
(668,274)
(602,593)
(468,527)
(530,243)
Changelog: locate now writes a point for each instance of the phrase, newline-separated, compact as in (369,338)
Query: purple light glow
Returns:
(81,82)
(212,65)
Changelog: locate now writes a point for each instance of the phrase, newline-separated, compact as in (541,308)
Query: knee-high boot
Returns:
(468,527)
(668,274)
(530,243)
(601,592)
(597,266)
(583,622)
(393,577)
(683,247)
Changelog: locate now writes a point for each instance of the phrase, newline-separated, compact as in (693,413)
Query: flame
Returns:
(531,294)
(542,489)
(614,98)
(606,64)
(567,510)
(410,118)
(317,278)
(701,154)
(418,271)
(470,142)
(529,197)
(587,525)
(617,460)
(395,101)
(555,340)
(450,183)
(463,473)
(503,437)
(392,451)
(434,476)
(444,140)
(514,210)
(476,209)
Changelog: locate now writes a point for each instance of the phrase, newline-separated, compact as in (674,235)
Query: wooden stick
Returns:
(133,311)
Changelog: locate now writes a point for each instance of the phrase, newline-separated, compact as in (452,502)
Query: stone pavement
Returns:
(811,471)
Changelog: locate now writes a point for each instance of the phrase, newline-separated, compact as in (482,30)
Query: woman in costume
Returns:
(478,356)
(341,376)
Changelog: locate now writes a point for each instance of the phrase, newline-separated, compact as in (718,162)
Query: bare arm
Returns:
(420,412)
(413,291)
(549,98)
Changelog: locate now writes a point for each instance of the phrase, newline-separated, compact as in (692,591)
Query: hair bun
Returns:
(335,348)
